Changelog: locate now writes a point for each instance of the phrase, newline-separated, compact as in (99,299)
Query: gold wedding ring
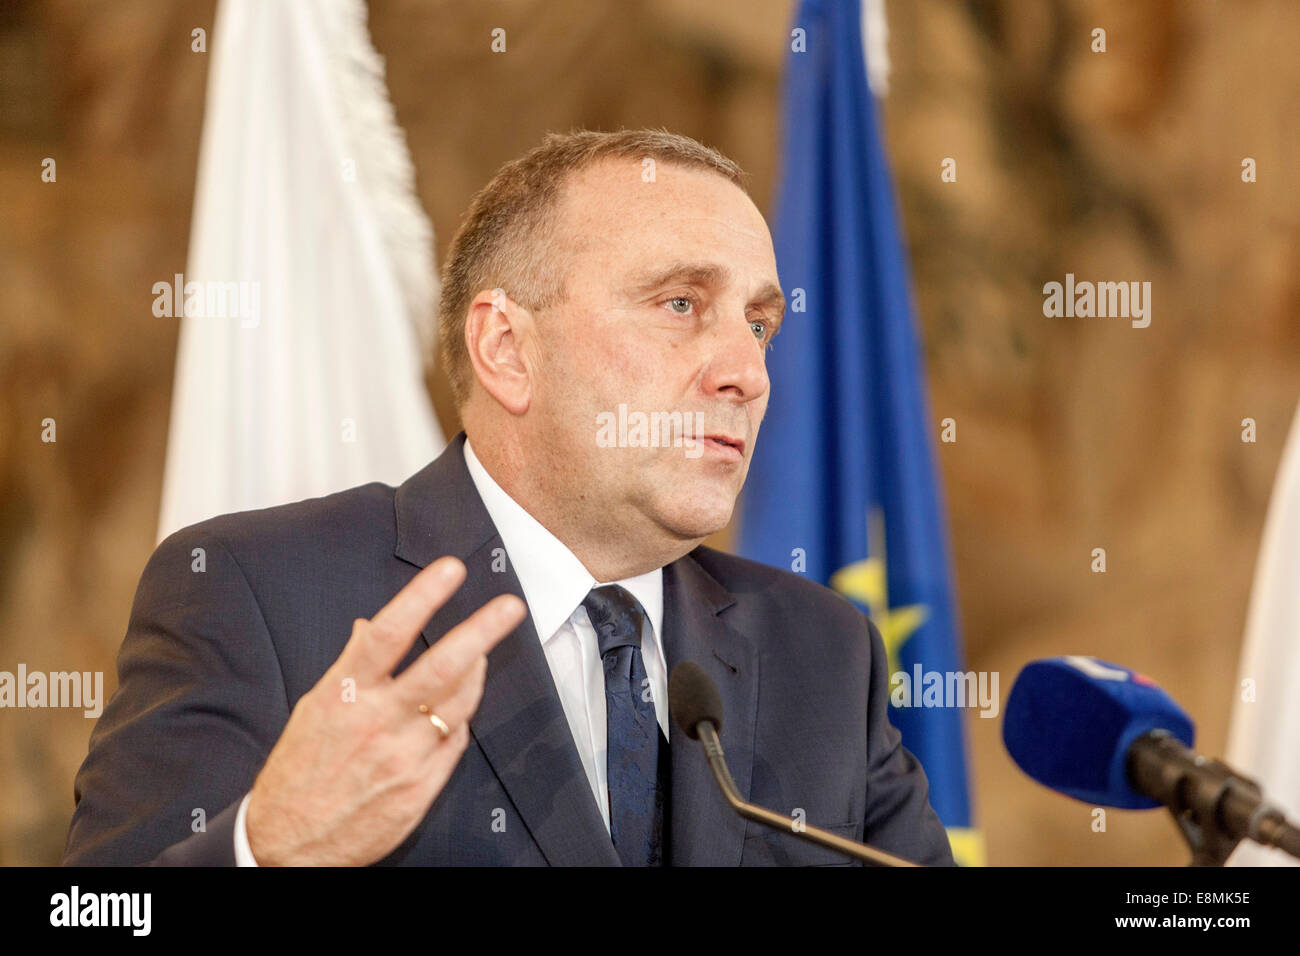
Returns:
(436,721)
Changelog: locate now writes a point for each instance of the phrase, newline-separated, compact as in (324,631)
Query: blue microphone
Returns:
(1109,736)
(1070,721)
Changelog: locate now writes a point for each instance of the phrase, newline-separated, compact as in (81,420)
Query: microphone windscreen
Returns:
(693,697)
(1070,721)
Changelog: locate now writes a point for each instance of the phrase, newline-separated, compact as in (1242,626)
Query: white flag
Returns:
(1264,739)
(309,293)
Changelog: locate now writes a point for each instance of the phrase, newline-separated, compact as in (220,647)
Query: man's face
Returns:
(672,301)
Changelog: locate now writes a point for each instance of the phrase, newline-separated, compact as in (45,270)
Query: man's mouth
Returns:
(726,446)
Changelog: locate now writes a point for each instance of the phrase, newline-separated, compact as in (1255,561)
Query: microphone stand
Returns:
(708,736)
(1205,797)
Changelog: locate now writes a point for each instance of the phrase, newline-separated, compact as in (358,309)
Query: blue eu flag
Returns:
(843,484)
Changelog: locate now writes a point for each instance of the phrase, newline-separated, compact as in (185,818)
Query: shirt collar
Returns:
(554,581)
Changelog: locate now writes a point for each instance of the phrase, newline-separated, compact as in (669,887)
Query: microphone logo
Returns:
(1096,669)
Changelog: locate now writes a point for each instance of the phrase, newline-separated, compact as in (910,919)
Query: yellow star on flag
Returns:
(867,582)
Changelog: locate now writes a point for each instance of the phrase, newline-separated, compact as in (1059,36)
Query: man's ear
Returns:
(497,330)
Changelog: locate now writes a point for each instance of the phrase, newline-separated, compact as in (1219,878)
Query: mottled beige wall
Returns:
(1083,433)
(1072,433)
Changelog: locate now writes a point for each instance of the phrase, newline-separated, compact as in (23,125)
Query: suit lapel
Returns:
(703,829)
(520,724)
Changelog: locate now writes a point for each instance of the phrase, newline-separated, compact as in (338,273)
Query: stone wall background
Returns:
(1072,433)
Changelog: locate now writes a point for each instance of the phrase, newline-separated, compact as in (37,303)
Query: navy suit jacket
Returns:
(215,659)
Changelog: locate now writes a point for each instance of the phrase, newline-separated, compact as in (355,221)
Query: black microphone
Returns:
(697,709)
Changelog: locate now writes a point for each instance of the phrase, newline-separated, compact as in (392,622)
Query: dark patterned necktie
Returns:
(632,760)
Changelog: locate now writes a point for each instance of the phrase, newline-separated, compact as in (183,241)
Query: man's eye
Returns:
(686,301)
(759,328)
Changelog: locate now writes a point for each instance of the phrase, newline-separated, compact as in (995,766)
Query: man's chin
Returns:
(698,520)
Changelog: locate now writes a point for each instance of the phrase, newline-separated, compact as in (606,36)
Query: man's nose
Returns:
(736,365)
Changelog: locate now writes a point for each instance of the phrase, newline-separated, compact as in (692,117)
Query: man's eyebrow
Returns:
(703,274)
(688,273)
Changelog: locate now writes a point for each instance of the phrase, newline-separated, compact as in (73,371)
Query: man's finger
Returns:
(460,702)
(378,646)
(439,669)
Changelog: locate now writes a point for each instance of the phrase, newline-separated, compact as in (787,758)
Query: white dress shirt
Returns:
(555,583)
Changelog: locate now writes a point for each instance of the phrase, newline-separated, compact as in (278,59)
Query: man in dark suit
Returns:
(507,704)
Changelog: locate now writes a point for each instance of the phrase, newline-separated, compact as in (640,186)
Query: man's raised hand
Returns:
(352,775)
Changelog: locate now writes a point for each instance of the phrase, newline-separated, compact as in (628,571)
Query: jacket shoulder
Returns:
(328,524)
